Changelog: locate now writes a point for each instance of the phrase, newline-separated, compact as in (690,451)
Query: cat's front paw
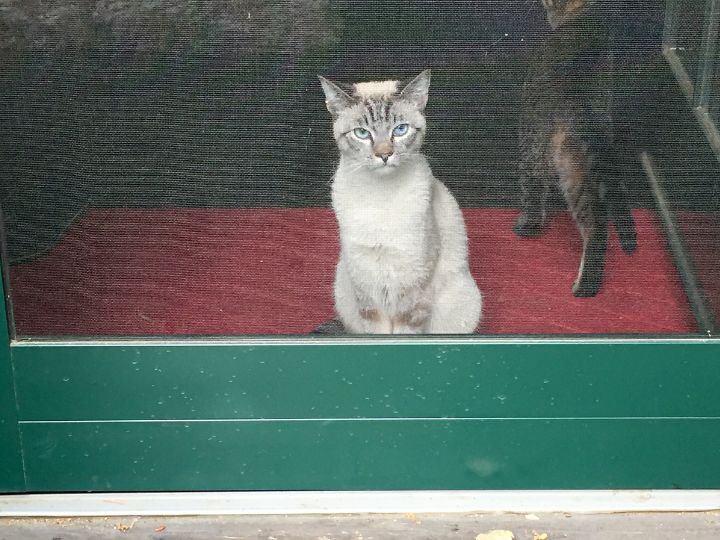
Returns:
(528,226)
(585,288)
(414,320)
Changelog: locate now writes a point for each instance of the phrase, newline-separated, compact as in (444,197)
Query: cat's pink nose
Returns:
(384,151)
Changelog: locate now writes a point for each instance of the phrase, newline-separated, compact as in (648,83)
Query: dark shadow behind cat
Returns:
(567,136)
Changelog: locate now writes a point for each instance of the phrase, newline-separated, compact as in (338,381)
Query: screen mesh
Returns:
(166,165)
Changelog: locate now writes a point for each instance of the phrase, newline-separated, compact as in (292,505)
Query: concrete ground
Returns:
(655,526)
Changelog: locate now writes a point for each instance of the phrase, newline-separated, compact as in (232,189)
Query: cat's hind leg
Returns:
(580,184)
(616,196)
(457,306)
(534,183)
(592,264)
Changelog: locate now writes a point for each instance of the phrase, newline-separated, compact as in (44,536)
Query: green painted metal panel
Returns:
(503,378)
(371,454)
(11,466)
(497,414)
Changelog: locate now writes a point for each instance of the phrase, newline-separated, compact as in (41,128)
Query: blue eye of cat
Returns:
(361,133)
(400,130)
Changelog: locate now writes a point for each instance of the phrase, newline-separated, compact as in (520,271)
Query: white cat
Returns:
(403,265)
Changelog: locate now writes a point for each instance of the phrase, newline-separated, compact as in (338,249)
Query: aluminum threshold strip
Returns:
(356,502)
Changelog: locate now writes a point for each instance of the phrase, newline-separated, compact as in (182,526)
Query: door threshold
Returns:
(355,502)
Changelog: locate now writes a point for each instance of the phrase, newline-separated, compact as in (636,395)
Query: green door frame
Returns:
(12,477)
(304,415)
(328,414)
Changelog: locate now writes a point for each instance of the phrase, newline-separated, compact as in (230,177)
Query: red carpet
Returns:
(270,271)
(701,232)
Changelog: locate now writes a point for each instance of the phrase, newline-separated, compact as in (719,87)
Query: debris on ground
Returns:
(496,535)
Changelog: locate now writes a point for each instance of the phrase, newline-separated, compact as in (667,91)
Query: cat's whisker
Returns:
(357,168)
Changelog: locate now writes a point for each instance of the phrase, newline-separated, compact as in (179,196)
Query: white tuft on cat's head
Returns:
(376,89)
(379,125)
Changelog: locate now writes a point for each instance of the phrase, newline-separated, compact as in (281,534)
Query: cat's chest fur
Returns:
(390,211)
(387,227)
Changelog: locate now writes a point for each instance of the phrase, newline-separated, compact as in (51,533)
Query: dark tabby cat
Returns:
(566,132)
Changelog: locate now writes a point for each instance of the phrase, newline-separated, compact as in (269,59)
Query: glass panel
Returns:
(689,31)
(698,199)
(713,105)
(167,167)
(695,190)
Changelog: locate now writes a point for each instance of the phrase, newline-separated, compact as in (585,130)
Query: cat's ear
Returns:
(416,91)
(336,99)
